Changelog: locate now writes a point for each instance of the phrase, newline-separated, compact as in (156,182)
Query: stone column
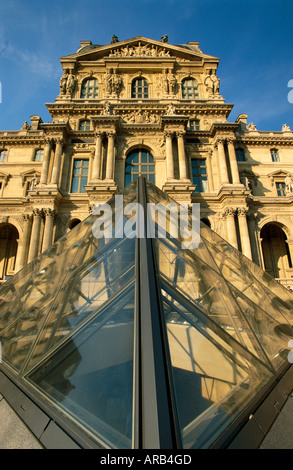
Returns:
(110,155)
(252,220)
(46,161)
(231,227)
(181,155)
(23,246)
(169,155)
(48,232)
(35,235)
(96,175)
(233,162)
(210,172)
(222,161)
(244,233)
(57,162)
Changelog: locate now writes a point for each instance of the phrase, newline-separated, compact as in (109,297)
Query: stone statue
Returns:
(116,83)
(63,82)
(114,39)
(251,127)
(171,83)
(25,126)
(164,38)
(34,181)
(71,80)
(107,111)
(171,111)
(212,83)
(286,128)
(289,184)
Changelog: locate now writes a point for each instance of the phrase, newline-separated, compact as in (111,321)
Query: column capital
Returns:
(27,217)
(49,212)
(99,133)
(168,133)
(48,140)
(231,140)
(38,212)
(242,211)
(58,140)
(180,133)
(220,140)
(230,212)
(110,133)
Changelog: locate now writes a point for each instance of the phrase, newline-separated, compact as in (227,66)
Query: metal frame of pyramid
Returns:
(138,343)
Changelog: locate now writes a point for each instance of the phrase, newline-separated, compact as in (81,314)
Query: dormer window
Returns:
(240,155)
(193,125)
(84,125)
(139,88)
(38,157)
(3,155)
(189,89)
(89,88)
(275,155)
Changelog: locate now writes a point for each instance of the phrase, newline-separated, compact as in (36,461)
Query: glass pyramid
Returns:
(138,342)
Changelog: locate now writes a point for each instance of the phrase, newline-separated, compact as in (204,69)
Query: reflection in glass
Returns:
(91,375)
(213,379)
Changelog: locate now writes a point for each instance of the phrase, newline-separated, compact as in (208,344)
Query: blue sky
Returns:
(253,39)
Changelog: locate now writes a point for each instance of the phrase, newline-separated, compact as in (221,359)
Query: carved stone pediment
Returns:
(139,47)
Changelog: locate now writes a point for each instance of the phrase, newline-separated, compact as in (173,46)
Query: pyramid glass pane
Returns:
(91,285)
(204,287)
(74,328)
(90,376)
(213,380)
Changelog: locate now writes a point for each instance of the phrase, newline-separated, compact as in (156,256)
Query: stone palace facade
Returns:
(142,106)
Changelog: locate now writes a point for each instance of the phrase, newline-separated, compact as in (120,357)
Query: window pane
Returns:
(83,184)
(74,186)
(100,363)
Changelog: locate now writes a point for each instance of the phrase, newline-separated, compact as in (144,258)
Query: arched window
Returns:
(73,223)
(139,88)
(84,125)
(139,162)
(189,89)
(89,88)
(8,249)
(275,250)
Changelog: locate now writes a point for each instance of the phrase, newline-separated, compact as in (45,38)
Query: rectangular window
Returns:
(79,176)
(3,155)
(199,175)
(39,155)
(275,155)
(281,189)
(240,155)
(193,125)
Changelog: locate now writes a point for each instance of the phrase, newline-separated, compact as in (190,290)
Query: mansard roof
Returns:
(91,52)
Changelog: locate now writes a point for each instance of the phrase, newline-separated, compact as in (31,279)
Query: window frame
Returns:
(135,88)
(78,177)
(193,125)
(139,164)
(189,92)
(89,93)
(275,156)
(38,155)
(3,153)
(281,191)
(240,151)
(198,179)
(87,125)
